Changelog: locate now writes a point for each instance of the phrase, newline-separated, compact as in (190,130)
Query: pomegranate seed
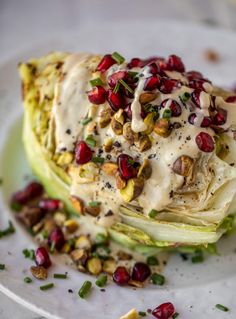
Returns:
(205,142)
(50,204)
(115,100)
(31,191)
(231,99)
(42,257)
(141,272)
(154,68)
(135,63)
(191,118)
(115,77)
(197,84)
(83,153)
(121,276)
(193,75)
(152,83)
(56,238)
(221,117)
(126,166)
(97,95)
(106,62)
(168,85)
(206,122)
(173,106)
(162,64)
(195,95)
(164,311)
(175,63)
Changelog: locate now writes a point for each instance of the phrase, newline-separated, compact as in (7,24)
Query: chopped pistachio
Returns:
(144,143)
(77,204)
(129,134)
(79,256)
(145,170)
(110,168)
(109,266)
(39,272)
(147,97)
(149,121)
(83,242)
(132,190)
(105,117)
(71,225)
(120,182)
(183,165)
(162,127)
(94,265)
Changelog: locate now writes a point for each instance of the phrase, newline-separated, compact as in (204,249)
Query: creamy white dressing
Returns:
(71,105)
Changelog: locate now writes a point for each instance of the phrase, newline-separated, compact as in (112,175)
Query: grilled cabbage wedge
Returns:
(182,223)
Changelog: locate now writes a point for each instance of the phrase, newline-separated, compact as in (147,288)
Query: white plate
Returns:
(194,289)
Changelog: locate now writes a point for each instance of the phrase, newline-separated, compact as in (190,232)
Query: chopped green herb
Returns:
(90,140)
(132,74)
(86,120)
(96,82)
(60,276)
(2,267)
(152,261)
(166,114)
(102,251)
(29,253)
(130,161)
(9,230)
(175,315)
(1,181)
(84,290)
(101,238)
(153,213)
(94,203)
(142,313)
(46,287)
(16,207)
(97,159)
(126,86)
(221,307)
(117,87)
(44,234)
(27,280)
(185,97)
(101,281)
(118,58)
(157,279)
(198,258)
(52,247)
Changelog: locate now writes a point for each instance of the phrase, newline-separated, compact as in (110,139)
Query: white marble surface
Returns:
(25,22)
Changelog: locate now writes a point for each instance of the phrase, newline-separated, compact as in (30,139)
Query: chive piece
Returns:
(44,234)
(101,238)
(132,74)
(142,313)
(1,181)
(101,281)
(9,230)
(27,280)
(97,159)
(185,97)
(157,279)
(84,290)
(175,315)
(52,247)
(153,213)
(94,203)
(90,140)
(152,261)
(16,207)
(126,86)
(29,253)
(86,120)
(2,267)
(46,287)
(117,87)
(60,276)
(166,114)
(96,82)
(221,307)
(198,258)
(118,58)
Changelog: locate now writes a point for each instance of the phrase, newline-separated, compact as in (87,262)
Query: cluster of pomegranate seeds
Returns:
(164,311)
(49,205)
(115,77)
(30,192)
(42,257)
(174,106)
(135,63)
(121,276)
(126,166)
(191,75)
(175,63)
(196,97)
(231,99)
(221,117)
(168,85)
(97,95)
(115,100)
(205,142)
(106,62)
(141,272)
(197,84)
(83,153)
(152,83)
(56,238)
